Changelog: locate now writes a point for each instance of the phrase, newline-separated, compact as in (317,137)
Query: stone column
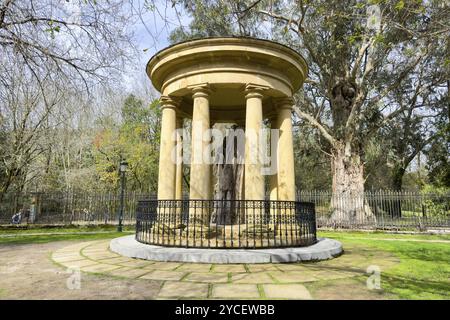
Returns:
(254,180)
(273,178)
(273,184)
(286,174)
(200,184)
(167,166)
(179,165)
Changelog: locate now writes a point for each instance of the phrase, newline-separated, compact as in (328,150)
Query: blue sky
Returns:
(152,30)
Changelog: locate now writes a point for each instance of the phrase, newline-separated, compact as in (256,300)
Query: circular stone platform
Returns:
(324,249)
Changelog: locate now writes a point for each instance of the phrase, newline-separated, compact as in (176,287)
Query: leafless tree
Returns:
(54,56)
(83,41)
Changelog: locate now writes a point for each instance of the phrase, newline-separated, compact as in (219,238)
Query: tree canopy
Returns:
(375,105)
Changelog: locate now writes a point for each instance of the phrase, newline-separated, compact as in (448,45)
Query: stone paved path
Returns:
(27,272)
(233,281)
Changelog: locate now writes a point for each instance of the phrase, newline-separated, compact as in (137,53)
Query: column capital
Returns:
(200,90)
(284,103)
(254,90)
(169,102)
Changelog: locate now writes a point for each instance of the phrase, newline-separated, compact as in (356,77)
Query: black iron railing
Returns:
(225,223)
(372,210)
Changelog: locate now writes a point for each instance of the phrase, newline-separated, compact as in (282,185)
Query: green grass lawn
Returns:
(44,235)
(23,229)
(381,235)
(424,268)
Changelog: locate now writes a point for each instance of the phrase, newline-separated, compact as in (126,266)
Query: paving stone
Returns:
(76,247)
(68,258)
(68,249)
(312,269)
(163,265)
(183,290)
(195,267)
(136,263)
(127,272)
(79,264)
(291,267)
(237,291)
(293,276)
(96,249)
(99,268)
(286,291)
(164,275)
(100,256)
(262,267)
(229,268)
(66,253)
(100,244)
(93,251)
(258,277)
(280,281)
(117,260)
(208,277)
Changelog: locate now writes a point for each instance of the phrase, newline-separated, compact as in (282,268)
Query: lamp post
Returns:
(122,168)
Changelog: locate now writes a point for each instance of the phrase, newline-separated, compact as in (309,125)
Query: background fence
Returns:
(372,210)
(380,210)
(62,208)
